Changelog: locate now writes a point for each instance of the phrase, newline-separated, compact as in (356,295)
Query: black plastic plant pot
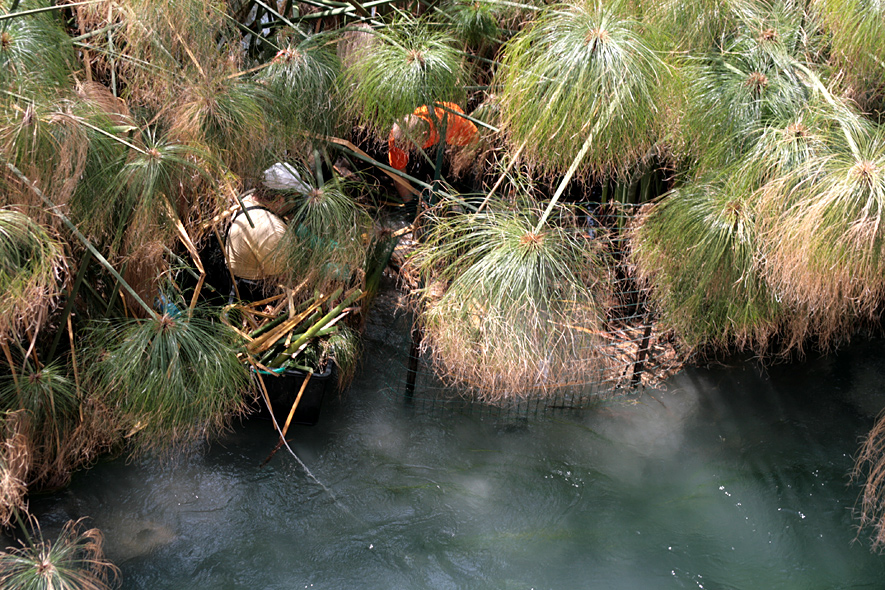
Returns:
(283,390)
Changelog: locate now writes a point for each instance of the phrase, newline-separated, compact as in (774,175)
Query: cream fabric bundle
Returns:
(253,252)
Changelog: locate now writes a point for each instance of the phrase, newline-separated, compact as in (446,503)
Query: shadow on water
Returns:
(731,478)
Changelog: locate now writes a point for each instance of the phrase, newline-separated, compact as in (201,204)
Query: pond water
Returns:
(731,478)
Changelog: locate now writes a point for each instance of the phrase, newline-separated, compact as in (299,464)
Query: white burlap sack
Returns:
(253,252)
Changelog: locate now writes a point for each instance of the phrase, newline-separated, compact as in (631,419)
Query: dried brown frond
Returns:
(14,464)
(100,97)
(869,469)
(768,35)
(97,432)
(145,267)
(757,82)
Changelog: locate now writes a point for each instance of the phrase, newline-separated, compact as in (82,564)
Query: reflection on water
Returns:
(729,479)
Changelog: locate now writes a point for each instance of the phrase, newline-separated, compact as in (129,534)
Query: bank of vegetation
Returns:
(744,138)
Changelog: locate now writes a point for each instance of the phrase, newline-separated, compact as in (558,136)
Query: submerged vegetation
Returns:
(132,132)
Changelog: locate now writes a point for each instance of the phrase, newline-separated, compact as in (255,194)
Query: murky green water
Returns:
(729,479)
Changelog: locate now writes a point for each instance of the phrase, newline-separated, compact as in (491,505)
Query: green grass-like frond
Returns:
(582,68)
(228,116)
(36,56)
(345,346)
(73,561)
(47,394)
(327,236)
(158,176)
(31,261)
(303,84)
(48,406)
(697,249)
(474,22)
(737,92)
(171,379)
(824,233)
(783,147)
(506,311)
(53,142)
(695,25)
(856,31)
(408,64)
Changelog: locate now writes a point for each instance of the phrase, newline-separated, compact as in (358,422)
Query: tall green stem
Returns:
(574,165)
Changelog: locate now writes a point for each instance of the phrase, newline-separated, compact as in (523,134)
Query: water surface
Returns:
(731,478)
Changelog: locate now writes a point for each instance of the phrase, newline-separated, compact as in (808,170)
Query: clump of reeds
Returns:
(51,403)
(73,561)
(170,378)
(227,114)
(52,142)
(856,32)
(869,467)
(31,262)
(155,48)
(15,460)
(51,422)
(35,53)
(327,236)
(824,234)
(303,84)
(408,64)
(695,25)
(508,310)
(582,70)
(702,248)
(735,92)
(475,22)
(345,348)
(697,252)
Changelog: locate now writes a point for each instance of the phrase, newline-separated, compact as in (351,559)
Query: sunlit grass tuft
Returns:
(582,68)
(506,311)
(824,235)
(171,379)
(327,237)
(304,97)
(31,262)
(697,250)
(409,63)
